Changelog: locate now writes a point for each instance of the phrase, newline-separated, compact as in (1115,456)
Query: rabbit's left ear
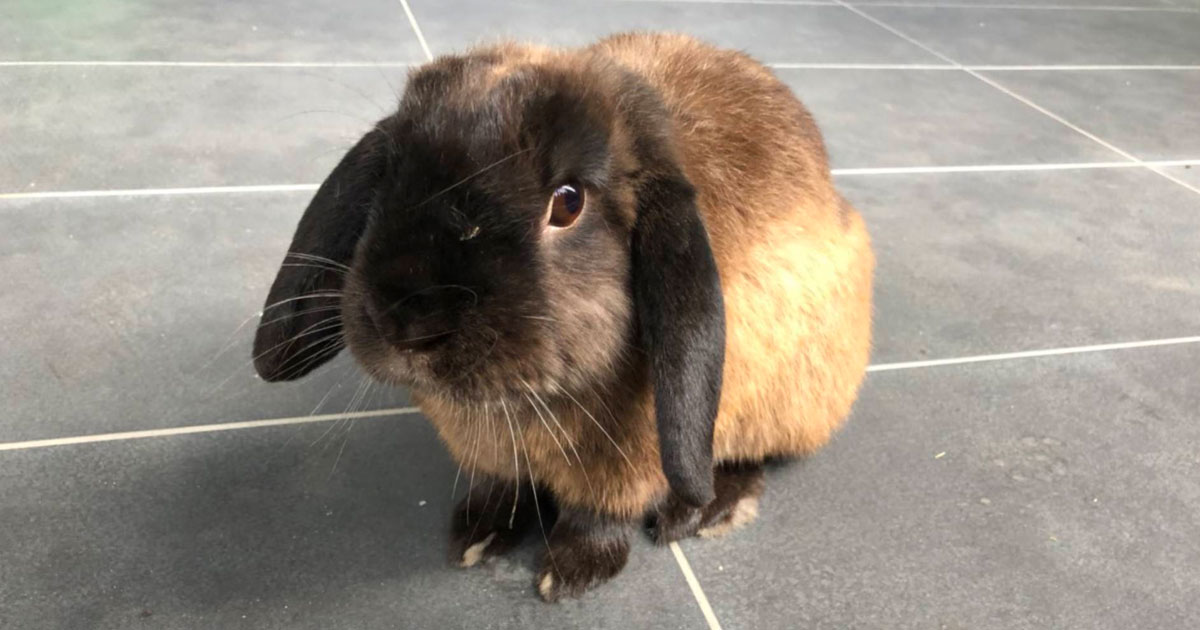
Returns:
(681,319)
(300,327)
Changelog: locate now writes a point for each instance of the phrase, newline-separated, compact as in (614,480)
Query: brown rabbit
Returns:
(615,278)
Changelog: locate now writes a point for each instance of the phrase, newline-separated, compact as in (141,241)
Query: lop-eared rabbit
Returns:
(616,279)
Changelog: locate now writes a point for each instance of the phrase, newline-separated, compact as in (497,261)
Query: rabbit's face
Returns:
(495,257)
(495,238)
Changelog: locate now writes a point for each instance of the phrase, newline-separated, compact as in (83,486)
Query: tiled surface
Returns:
(124,308)
(259,530)
(1068,490)
(1152,115)
(222,30)
(999,36)
(1022,261)
(773,32)
(1066,498)
(875,118)
(74,128)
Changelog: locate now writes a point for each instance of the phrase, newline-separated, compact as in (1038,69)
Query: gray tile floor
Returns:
(154,155)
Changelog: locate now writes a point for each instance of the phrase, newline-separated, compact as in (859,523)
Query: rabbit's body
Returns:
(708,306)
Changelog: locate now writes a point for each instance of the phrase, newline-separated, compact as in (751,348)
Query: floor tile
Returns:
(78,128)
(1151,114)
(1049,4)
(998,262)
(878,118)
(1190,174)
(1057,493)
(1016,37)
(258,529)
(772,32)
(225,30)
(124,306)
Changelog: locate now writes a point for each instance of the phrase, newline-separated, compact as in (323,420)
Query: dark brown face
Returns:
(496,252)
(497,236)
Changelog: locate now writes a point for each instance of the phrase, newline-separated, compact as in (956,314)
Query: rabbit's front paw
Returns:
(493,518)
(584,551)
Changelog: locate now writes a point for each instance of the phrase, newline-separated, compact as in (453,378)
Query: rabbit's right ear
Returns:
(300,326)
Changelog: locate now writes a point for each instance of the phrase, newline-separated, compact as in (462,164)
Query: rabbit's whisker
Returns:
(307,311)
(307,296)
(457,473)
(321,402)
(566,436)
(351,88)
(231,342)
(331,346)
(309,112)
(316,258)
(322,267)
(494,436)
(548,429)
(237,369)
(516,465)
(345,439)
(299,428)
(327,431)
(329,323)
(600,401)
(362,384)
(533,487)
(597,423)
(475,457)
(472,176)
(362,404)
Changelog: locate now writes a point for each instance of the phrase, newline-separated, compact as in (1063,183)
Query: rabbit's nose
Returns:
(417,327)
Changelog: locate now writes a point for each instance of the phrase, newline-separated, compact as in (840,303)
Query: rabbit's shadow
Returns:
(268,517)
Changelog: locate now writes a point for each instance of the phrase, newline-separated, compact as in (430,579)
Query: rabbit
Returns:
(616,279)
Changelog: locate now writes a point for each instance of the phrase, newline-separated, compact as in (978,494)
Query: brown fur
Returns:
(796,268)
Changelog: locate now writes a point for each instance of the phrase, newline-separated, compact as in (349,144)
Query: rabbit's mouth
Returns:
(475,361)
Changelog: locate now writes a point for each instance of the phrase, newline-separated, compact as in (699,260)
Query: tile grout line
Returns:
(156,192)
(1032,354)
(208,64)
(694,585)
(204,428)
(796,3)
(1082,131)
(1031,7)
(844,172)
(1004,168)
(941,5)
(1087,134)
(878,367)
(782,65)
(1080,67)
(412,21)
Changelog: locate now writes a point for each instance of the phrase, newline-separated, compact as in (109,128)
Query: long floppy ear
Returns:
(681,317)
(300,327)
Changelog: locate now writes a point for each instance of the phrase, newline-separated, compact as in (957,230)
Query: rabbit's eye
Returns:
(566,204)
